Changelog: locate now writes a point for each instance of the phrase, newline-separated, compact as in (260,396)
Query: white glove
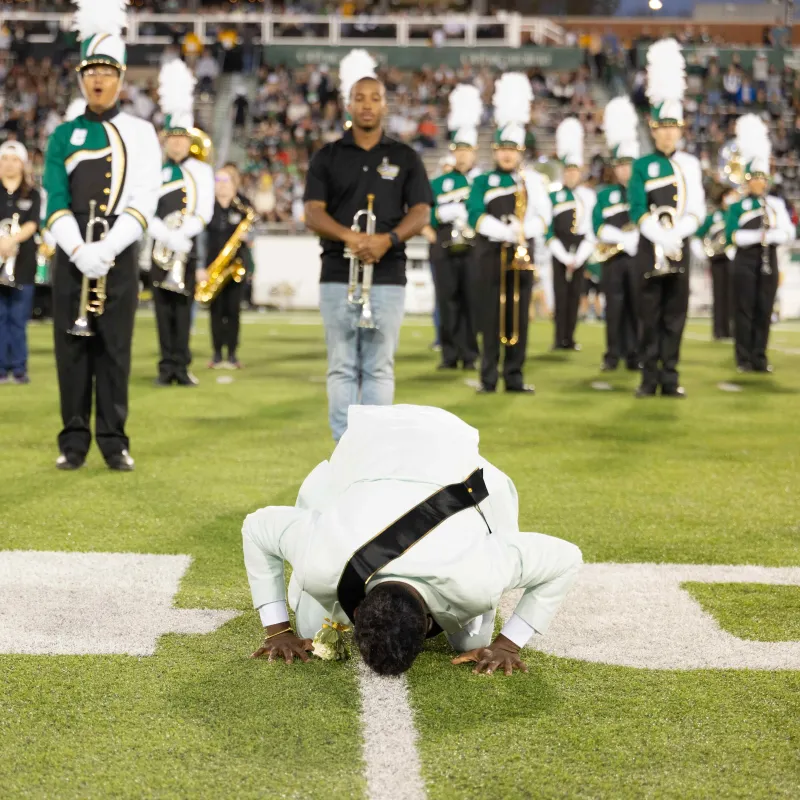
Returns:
(697,249)
(667,238)
(178,241)
(534,227)
(777,236)
(192,225)
(748,237)
(158,230)
(560,253)
(450,212)
(686,227)
(493,229)
(514,230)
(91,261)
(107,250)
(630,242)
(585,250)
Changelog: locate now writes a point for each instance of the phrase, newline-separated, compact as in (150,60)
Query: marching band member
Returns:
(342,177)
(755,227)
(667,204)
(503,308)
(20,213)
(571,236)
(225,309)
(453,251)
(108,160)
(712,234)
(613,228)
(185,206)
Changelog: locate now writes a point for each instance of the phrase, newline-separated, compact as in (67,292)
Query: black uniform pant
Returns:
(567,300)
(755,296)
(97,364)
(174,319)
(621,287)
(664,303)
(225,313)
(451,275)
(485,268)
(723,297)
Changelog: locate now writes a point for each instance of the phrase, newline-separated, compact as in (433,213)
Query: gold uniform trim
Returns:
(658,183)
(500,191)
(454,196)
(138,216)
(561,208)
(166,188)
(609,211)
(118,150)
(56,215)
(79,156)
(191,191)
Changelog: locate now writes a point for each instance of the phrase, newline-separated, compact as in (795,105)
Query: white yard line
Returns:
(789,351)
(390,738)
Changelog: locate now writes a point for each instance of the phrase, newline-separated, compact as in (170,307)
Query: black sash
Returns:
(403,534)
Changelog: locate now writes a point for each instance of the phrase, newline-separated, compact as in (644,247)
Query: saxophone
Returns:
(226,266)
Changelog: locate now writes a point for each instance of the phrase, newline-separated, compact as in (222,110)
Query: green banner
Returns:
(559,58)
(703,54)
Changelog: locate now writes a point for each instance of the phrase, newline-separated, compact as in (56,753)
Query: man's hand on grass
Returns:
(502,653)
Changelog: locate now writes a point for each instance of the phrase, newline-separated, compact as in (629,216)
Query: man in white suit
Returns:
(406,532)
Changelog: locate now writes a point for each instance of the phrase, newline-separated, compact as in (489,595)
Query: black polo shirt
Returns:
(342,174)
(26,202)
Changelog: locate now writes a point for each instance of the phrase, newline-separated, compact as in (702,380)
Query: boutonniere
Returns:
(329,643)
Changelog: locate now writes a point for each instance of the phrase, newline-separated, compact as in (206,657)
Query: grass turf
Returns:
(707,480)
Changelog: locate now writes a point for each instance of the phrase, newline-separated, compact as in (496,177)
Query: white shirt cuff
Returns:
(273,613)
(517,630)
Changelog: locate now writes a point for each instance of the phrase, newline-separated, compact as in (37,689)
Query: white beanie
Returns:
(15,149)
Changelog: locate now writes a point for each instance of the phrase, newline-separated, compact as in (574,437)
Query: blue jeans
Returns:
(15,311)
(360,362)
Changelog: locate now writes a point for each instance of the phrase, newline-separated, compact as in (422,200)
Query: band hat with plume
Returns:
(466,110)
(176,97)
(620,125)
(569,142)
(512,100)
(755,148)
(355,66)
(666,83)
(99,24)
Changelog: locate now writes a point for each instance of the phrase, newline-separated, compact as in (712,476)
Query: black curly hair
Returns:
(390,628)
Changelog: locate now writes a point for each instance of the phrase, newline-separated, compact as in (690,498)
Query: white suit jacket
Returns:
(391,459)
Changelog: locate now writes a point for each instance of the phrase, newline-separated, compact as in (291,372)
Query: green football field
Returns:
(712,480)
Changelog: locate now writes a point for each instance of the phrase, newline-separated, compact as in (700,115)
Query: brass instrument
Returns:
(359,292)
(766,266)
(462,237)
(604,251)
(174,263)
(520,262)
(714,246)
(93,298)
(9,227)
(665,263)
(226,266)
(202,148)
(44,259)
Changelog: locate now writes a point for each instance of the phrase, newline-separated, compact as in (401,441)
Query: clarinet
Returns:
(766,267)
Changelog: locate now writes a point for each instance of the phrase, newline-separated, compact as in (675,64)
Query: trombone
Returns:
(520,262)
(93,298)
(358,293)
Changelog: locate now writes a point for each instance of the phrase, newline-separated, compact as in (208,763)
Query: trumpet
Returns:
(358,293)
(9,227)
(174,263)
(462,237)
(520,262)
(93,298)
(665,263)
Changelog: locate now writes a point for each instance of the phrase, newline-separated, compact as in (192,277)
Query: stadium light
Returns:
(655,5)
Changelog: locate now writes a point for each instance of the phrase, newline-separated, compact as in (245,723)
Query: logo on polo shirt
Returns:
(25,205)
(78,137)
(388,171)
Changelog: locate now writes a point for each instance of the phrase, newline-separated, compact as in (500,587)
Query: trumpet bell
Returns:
(202,148)
(367,321)
(81,328)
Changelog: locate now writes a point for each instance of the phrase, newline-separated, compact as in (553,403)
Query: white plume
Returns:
(176,88)
(512,99)
(666,72)
(620,122)
(100,16)
(75,109)
(466,107)
(569,138)
(357,64)
(752,138)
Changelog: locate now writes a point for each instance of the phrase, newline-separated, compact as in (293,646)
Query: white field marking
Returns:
(697,337)
(390,738)
(94,603)
(637,615)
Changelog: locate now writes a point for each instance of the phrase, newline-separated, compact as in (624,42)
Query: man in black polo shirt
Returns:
(341,175)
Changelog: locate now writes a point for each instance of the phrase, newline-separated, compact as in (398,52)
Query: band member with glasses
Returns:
(110,162)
